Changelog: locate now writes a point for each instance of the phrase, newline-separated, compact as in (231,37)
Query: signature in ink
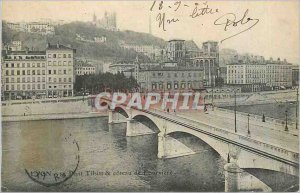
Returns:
(229,20)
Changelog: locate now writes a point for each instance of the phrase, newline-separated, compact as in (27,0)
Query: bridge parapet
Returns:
(257,118)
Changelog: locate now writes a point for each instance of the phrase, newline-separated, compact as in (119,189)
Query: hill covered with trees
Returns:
(66,34)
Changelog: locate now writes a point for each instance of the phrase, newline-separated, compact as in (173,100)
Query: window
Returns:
(38,65)
(69,55)
(28,65)
(18,87)
(49,63)
(12,87)
(54,79)
(23,87)
(23,72)
(65,80)
(59,63)
(44,86)
(38,72)
(12,65)
(43,64)
(59,55)
(59,80)
(69,63)
(7,80)
(33,86)
(54,63)
(23,79)
(65,71)
(18,80)
(49,55)
(12,72)
(28,86)
(28,79)
(54,71)
(43,72)
(39,79)
(38,86)
(70,79)
(49,71)
(7,87)
(18,72)
(33,72)
(64,56)
(23,65)
(65,63)
(6,65)
(33,79)
(54,55)
(18,65)
(6,72)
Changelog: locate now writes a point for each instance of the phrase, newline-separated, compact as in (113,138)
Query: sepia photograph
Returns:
(150,96)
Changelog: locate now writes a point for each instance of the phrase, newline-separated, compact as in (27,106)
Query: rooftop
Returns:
(59,47)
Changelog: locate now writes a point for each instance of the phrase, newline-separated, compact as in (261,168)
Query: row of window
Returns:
(38,79)
(160,85)
(59,71)
(175,75)
(36,72)
(33,87)
(50,79)
(59,55)
(59,63)
(24,87)
(23,65)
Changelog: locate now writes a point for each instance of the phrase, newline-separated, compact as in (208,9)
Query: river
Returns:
(109,161)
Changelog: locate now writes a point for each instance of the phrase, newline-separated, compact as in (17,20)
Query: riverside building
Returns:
(38,74)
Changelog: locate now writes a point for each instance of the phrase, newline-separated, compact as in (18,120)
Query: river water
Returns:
(109,161)
(50,150)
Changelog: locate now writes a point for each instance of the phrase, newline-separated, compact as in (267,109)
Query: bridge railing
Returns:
(258,118)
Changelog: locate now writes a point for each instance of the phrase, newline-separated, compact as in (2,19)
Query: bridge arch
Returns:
(121,111)
(147,121)
(219,148)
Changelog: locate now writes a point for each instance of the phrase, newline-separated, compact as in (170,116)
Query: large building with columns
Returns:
(38,74)
(188,55)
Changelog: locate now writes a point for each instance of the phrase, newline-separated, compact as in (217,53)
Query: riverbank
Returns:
(53,116)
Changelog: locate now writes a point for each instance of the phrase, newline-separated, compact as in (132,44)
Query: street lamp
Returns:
(248,124)
(235,111)
(286,127)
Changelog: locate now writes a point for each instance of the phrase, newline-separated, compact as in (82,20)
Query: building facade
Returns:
(24,74)
(169,78)
(295,75)
(43,28)
(258,76)
(82,68)
(38,74)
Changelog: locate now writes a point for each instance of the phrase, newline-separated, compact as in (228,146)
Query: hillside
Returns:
(66,34)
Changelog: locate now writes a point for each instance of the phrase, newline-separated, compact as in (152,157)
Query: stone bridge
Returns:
(239,150)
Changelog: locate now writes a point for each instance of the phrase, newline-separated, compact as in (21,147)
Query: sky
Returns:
(276,34)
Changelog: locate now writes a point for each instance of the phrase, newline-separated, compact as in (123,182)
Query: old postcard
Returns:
(150,96)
